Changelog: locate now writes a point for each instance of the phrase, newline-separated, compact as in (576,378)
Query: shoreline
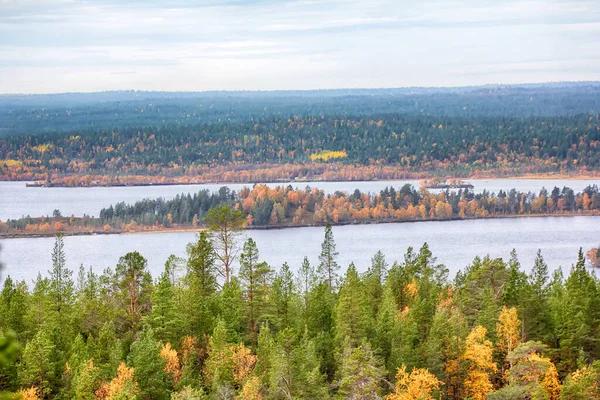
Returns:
(36,235)
(541,176)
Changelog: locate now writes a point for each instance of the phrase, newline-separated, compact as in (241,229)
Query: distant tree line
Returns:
(281,206)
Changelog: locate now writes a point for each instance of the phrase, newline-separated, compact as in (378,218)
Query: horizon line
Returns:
(487,85)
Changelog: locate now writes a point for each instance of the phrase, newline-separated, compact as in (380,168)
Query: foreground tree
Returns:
(225,225)
(361,374)
(478,355)
(328,265)
(134,282)
(420,384)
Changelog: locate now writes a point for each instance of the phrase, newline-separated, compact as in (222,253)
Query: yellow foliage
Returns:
(508,330)
(479,354)
(29,394)
(11,163)
(122,382)
(244,362)
(412,288)
(251,390)
(418,385)
(550,380)
(173,366)
(328,155)
(41,148)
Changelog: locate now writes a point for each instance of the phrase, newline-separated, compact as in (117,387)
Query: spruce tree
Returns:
(352,316)
(164,316)
(255,278)
(284,299)
(201,285)
(361,374)
(149,367)
(38,364)
(328,265)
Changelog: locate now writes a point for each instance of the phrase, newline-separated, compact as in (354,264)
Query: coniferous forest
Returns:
(127,138)
(206,328)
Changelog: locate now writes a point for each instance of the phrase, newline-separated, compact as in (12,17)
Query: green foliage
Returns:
(38,364)
(351,315)
(292,336)
(134,282)
(148,364)
(360,374)
(328,265)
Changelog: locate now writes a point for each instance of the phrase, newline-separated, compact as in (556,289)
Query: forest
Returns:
(205,328)
(313,135)
(34,114)
(284,206)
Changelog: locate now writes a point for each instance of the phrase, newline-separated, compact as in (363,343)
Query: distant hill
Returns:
(416,132)
(34,114)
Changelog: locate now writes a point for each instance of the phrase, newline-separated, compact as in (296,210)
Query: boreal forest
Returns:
(206,328)
(117,138)
(264,207)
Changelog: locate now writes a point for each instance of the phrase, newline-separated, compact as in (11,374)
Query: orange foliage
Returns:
(172,366)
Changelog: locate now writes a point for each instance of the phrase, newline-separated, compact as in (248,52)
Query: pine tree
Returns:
(149,367)
(232,309)
(218,368)
(61,283)
(352,319)
(445,346)
(134,281)
(37,366)
(284,299)
(328,265)
(86,382)
(537,318)
(310,381)
(385,324)
(201,286)
(106,351)
(164,316)
(255,279)
(306,280)
(374,280)
(13,307)
(360,374)
(516,285)
(225,225)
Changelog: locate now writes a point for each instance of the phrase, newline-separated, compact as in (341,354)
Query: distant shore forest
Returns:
(145,138)
(283,206)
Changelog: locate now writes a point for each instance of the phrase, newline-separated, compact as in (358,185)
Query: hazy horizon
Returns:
(62,46)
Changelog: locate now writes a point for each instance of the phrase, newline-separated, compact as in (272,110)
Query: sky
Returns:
(180,45)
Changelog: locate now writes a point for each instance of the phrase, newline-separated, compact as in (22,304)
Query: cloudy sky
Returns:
(64,45)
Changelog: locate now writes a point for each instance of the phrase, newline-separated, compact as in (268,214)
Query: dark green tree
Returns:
(328,265)
(255,278)
(149,367)
(225,224)
(134,282)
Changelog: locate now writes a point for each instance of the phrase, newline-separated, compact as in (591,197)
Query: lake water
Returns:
(17,200)
(454,243)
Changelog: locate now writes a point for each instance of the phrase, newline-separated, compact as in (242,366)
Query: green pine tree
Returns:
(328,265)
(149,367)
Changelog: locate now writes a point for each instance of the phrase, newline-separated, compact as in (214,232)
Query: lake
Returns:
(17,200)
(454,243)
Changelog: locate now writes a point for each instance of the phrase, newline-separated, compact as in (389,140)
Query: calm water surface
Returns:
(454,243)
(16,200)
